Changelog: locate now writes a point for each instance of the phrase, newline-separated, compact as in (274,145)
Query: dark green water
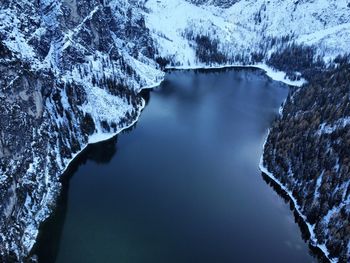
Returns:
(183,185)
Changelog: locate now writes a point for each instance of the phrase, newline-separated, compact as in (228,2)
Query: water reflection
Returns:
(297,219)
(48,243)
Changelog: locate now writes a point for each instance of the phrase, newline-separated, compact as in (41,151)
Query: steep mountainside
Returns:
(71,71)
(307,152)
(70,75)
(191,35)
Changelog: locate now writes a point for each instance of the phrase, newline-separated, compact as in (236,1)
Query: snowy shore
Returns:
(273,74)
(102,136)
(270,72)
(311,228)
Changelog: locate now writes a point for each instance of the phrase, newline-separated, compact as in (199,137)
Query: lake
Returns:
(183,184)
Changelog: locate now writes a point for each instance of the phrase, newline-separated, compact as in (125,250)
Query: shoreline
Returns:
(93,139)
(312,240)
(269,71)
(96,138)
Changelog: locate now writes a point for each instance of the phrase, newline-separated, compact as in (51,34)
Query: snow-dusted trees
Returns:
(312,161)
(207,50)
(297,58)
(4,51)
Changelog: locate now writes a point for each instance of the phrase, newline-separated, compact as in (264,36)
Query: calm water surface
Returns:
(183,185)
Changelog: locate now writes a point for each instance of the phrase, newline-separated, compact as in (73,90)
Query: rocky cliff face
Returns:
(70,75)
(71,70)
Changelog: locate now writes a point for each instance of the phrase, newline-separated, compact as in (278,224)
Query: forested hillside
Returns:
(308,152)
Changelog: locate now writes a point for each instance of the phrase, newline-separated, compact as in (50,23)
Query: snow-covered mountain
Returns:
(71,71)
(247,26)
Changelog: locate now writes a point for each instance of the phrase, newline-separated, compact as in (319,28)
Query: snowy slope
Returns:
(243,27)
(70,76)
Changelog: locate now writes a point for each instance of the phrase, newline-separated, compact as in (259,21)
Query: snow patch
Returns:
(330,128)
